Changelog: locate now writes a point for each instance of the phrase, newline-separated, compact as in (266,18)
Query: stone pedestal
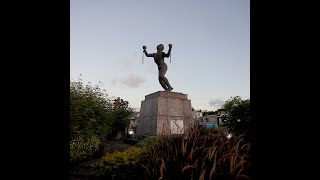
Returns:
(164,112)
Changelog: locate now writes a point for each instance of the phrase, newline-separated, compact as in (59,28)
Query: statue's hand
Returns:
(144,47)
(170,46)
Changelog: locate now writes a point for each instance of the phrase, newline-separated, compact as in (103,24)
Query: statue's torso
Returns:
(159,58)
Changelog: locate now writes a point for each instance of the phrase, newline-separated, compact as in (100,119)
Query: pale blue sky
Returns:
(210,55)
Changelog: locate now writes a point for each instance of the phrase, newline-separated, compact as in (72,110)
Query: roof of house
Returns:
(216,115)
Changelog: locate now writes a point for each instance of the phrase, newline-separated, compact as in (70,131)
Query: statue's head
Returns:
(160,47)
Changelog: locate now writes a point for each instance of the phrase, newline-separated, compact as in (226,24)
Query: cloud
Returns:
(216,102)
(127,62)
(132,80)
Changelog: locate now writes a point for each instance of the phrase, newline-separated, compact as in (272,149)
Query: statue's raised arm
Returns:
(145,52)
(169,51)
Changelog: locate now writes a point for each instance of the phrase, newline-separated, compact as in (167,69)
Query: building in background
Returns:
(134,121)
(212,119)
(196,115)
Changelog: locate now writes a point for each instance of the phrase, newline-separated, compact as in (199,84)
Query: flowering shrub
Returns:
(82,149)
(122,165)
(93,113)
(90,111)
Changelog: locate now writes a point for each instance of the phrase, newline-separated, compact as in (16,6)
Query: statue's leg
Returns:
(162,72)
(167,83)
(163,84)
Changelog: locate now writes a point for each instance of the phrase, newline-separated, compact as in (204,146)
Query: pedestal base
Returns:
(164,112)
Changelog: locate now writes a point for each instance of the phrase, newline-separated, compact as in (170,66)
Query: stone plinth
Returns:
(164,112)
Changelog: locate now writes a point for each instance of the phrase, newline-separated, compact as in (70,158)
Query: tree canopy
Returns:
(92,112)
(237,117)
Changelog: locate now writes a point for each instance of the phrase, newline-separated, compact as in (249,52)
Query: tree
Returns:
(122,113)
(208,113)
(237,117)
(91,119)
(90,111)
(93,113)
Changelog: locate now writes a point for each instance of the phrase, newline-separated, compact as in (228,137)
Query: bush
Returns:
(149,142)
(122,165)
(82,149)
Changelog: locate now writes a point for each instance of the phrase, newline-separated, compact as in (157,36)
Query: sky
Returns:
(210,57)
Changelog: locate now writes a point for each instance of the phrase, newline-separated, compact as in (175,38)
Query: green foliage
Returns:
(122,165)
(237,117)
(90,111)
(208,113)
(232,102)
(149,142)
(93,119)
(82,149)
(122,119)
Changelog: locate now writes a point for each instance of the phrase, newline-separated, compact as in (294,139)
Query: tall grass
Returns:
(198,154)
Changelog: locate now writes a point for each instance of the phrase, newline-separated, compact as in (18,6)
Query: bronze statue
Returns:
(162,66)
